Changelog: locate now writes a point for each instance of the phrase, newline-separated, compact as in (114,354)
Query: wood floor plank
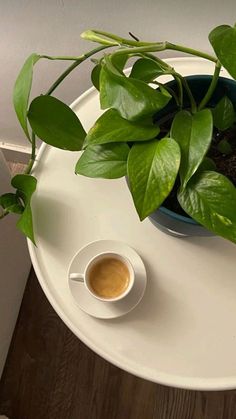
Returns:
(50,374)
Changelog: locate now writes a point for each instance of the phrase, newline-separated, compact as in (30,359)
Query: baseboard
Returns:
(15,153)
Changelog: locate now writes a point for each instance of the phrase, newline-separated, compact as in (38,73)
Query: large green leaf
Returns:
(55,123)
(11,203)
(193,134)
(146,69)
(25,186)
(223,40)
(132,98)
(111,127)
(107,161)
(119,61)
(152,170)
(223,114)
(210,198)
(22,91)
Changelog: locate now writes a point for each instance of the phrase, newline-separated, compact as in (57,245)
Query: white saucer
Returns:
(106,310)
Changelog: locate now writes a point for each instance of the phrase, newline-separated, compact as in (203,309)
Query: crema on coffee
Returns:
(109,277)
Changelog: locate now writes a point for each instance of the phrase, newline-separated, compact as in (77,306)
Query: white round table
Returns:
(183,332)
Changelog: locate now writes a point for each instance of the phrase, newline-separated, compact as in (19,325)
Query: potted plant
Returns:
(175,142)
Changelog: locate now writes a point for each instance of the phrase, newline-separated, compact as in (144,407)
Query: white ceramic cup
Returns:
(84,277)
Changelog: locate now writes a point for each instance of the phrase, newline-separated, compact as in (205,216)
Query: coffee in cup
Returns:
(108,276)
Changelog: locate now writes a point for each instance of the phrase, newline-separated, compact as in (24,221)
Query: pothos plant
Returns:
(126,140)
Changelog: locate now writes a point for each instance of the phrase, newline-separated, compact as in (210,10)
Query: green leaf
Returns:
(25,185)
(132,98)
(107,161)
(22,91)
(95,75)
(224,147)
(90,35)
(210,198)
(223,40)
(55,123)
(25,224)
(119,61)
(111,127)
(146,70)
(193,134)
(11,203)
(207,164)
(223,114)
(152,170)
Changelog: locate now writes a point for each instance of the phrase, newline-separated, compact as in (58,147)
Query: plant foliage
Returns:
(126,140)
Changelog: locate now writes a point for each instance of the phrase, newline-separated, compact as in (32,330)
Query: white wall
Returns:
(53,27)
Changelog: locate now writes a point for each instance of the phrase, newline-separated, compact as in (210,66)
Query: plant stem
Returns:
(165,45)
(180,87)
(190,95)
(162,63)
(188,91)
(121,41)
(78,61)
(79,58)
(171,91)
(190,51)
(161,46)
(61,58)
(169,70)
(32,158)
(4,213)
(212,87)
(62,77)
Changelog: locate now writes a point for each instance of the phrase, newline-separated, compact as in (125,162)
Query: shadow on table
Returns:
(52,220)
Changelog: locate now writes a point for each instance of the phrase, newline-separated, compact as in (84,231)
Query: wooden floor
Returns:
(50,374)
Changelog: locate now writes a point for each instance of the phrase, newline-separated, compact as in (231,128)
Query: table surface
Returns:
(51,374)
(183,332)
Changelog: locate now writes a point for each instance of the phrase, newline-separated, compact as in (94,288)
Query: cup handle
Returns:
(77,277)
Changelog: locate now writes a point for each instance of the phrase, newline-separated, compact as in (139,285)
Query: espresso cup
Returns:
(107,276)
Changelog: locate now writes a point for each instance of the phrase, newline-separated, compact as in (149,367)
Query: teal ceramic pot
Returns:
(163,218)
(177,225)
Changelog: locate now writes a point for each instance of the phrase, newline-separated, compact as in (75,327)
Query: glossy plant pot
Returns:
(163,218)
